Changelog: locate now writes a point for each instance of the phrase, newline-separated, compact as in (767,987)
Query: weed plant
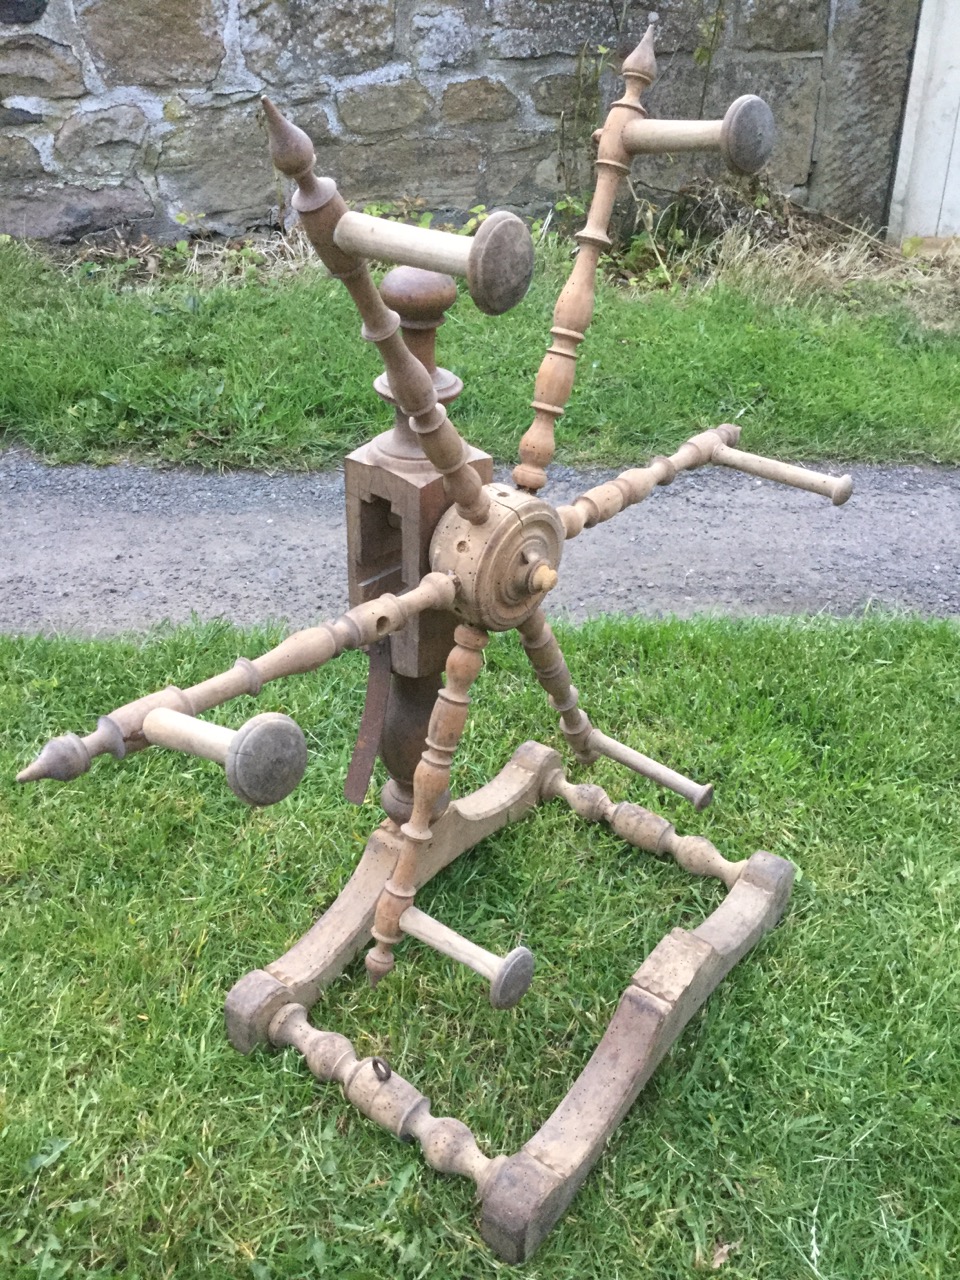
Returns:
(265,368)
(805,1124)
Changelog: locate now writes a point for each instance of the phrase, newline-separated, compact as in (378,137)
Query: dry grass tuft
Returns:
(204,261)
(765,246)
(748,236)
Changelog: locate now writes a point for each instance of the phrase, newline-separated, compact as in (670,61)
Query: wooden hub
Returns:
(505,566)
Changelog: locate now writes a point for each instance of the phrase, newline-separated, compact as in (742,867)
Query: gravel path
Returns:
(93,551)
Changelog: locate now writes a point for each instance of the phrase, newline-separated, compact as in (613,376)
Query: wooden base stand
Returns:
(522,1196)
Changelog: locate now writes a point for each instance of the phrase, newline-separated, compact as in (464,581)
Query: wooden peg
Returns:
(264,759)
(509,976)
(497,261)
(744,137)
(837,488)
(699,794)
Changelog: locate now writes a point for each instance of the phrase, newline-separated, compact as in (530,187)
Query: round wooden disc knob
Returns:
(420,298)
(500,267)
(747,134)
(512,979)
(266,759)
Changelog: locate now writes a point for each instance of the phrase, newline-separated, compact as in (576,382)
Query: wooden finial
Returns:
(641,65)
(290,148)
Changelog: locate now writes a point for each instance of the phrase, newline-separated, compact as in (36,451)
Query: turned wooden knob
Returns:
(264,759)
(513,976)
(420,298)
(500,266)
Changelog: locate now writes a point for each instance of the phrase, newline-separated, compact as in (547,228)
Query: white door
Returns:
(926,191)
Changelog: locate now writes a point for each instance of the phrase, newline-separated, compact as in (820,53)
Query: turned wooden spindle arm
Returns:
(607,500)
(574,309)
(744,137)
(121,731)
(714,447)
(322,210)
(431,781)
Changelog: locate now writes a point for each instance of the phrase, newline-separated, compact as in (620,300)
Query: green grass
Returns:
(272,373)
(809,1112)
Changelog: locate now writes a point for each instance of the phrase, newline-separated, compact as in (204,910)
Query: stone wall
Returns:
(144,113)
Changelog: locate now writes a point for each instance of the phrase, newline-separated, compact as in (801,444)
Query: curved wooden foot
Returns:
(530,1191)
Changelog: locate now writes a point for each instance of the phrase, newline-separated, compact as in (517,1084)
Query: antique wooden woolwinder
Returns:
(440,556)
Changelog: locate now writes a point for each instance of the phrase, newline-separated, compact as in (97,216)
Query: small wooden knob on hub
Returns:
(264,759)
(744,137)
(509,975)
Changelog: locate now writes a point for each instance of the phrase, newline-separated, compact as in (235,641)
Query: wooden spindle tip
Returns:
(290,148)
(642,63)
(62,759)
(730,431)
(842,490)
(378,962)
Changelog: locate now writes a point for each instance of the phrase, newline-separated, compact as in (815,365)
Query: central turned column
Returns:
(395,498)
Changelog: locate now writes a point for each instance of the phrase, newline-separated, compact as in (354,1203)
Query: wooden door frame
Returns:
(911,212)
